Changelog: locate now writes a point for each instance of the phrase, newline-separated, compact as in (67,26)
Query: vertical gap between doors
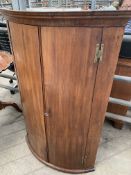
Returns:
(43,89)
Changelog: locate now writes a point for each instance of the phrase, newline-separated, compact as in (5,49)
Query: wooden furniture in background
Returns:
(5,60)
(121,90)
(65,66)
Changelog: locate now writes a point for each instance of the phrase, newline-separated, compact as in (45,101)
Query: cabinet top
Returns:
(83,18)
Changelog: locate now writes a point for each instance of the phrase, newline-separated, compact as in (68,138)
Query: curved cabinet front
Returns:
(65,67)
(26,48)
(69,77)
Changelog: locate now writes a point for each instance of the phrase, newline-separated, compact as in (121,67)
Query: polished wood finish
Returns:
(103,84)
(83,18)
(27,58)
(73,171)
(121,90)
(69,79)
(64,88)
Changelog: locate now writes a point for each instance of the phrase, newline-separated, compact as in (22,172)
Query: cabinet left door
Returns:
(25,44)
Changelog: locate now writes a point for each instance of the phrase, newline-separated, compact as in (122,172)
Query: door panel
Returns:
(104,80)
(69,79)
(27,59)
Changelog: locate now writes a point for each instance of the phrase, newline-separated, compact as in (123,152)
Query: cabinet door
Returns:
(25,42)
(69,79)
(112,38)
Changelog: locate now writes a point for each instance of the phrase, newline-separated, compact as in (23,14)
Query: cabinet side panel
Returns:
(70,71)
(112,38)
(25,43)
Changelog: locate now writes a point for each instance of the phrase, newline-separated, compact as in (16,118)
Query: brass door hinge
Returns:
(84,159)
(99,53)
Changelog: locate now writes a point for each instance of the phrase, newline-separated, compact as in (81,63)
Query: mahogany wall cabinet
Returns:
(65,63)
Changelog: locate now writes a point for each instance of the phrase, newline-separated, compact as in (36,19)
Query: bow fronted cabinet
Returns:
(65,62)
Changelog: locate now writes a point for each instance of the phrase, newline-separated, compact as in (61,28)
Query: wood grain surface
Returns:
(82,18)
(69,74)
(64,92)
(25,43)
(111,39)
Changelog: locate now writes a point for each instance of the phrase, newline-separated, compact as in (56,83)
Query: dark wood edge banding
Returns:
(78,18)
(55,167)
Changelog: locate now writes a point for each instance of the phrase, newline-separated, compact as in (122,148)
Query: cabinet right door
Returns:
(111,38)
(69,79)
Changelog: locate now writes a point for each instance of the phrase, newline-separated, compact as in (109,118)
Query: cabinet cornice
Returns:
(82,18)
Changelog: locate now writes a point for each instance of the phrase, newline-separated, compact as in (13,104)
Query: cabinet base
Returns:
(55,167)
